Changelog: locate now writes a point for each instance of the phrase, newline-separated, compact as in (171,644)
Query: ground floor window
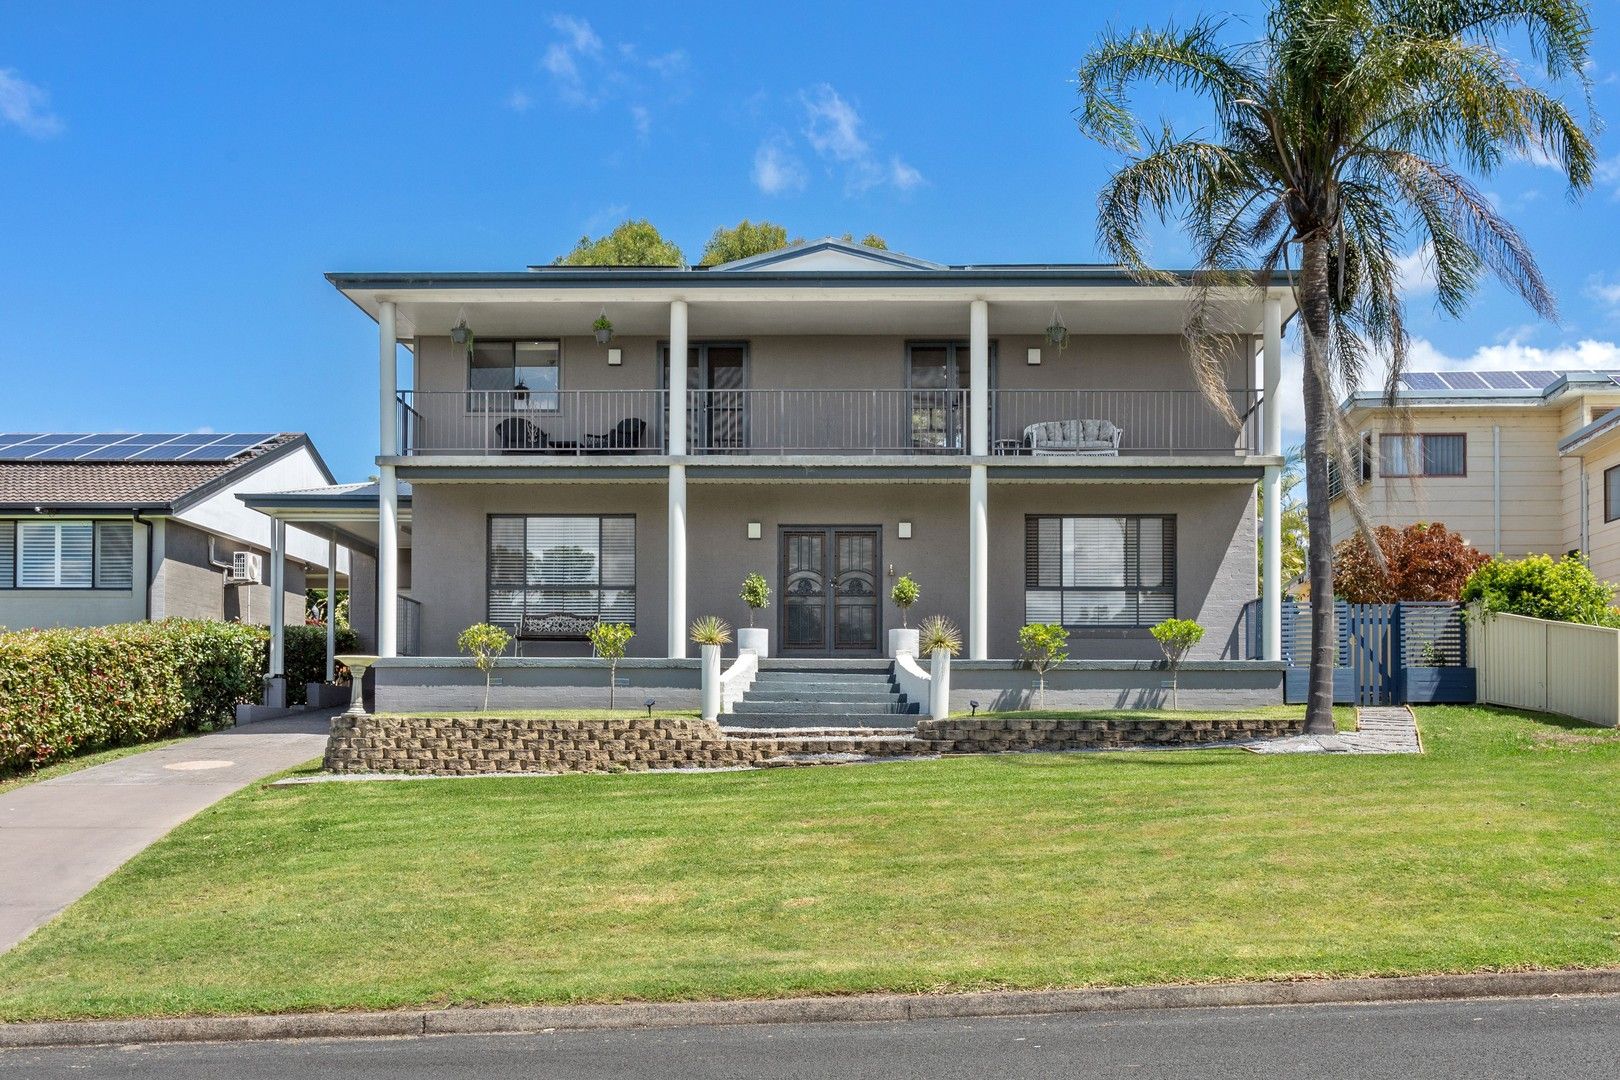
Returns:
(553,577)
(1100,571)
(67,555)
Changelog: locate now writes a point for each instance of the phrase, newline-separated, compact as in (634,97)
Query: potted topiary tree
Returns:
(710,634)
(903,639)
(756,593)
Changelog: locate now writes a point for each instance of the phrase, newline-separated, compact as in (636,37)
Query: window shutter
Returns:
(506,573)
(115,555)
(36,555)
(8,554)
(78,545)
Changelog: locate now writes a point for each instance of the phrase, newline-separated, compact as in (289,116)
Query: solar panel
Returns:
(1503,380)
(193,446)
(1422,380)
(1539,378)
(1464,380)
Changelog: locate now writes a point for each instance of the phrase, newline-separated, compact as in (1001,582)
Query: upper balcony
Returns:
(925,423)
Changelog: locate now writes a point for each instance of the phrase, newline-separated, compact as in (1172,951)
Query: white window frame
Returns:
(23,535)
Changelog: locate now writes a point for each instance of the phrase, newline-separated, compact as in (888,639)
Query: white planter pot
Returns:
(755,639)
(939,684)
(711,682)
(902,640)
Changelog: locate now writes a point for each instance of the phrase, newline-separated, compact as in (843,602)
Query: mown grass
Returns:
(1495,850)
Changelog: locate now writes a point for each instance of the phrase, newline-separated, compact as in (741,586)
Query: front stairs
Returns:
(826,712)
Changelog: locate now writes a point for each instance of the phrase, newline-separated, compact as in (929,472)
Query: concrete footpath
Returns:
(59,838)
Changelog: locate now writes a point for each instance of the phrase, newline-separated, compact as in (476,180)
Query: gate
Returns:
(1386,654)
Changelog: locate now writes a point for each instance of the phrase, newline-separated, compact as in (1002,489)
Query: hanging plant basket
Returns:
(461,334)
(1057,335)
(603,328)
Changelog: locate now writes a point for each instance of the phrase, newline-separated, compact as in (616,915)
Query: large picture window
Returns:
(67,555)
(504,375)
(554,577)
(1423,455)
(1100,571)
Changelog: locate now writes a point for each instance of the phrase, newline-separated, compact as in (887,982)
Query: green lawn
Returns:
(1495,850)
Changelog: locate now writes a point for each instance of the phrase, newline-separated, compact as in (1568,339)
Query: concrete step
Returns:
(846,686)
(901,721)
(818,694)
(822,665)
(748,706)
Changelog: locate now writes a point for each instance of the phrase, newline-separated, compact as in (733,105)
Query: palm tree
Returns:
(1334,136)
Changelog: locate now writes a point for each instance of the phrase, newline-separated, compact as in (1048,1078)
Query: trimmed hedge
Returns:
(74,690)
(305,661)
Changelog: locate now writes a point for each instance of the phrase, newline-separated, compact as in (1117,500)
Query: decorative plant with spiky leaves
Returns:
(710,630)
(1340,142)
(486,643)
(937,632)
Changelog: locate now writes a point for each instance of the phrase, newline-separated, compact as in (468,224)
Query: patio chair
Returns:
(628,434)
(515,435)
(1074,438)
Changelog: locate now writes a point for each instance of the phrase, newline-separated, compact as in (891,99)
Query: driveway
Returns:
(58,838)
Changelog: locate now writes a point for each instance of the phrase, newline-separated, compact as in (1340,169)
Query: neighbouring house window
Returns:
(1611,497)
(1360,464)
(515,375)
(66,555)
(1424,455)
(553,577)
(1100,571)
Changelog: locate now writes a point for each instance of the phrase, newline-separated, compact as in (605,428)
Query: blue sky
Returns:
(177,179)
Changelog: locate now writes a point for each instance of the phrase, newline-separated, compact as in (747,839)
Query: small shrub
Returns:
(938,632)
(74,690)
(1423,562)
(1175,638)
(904,594)
(1045,645)
(485,643)
(610,640)
(1564,590)
(710,630)
(756,593)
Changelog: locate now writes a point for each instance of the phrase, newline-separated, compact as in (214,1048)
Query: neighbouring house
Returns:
(120,527)
(1518,462)
(626,443)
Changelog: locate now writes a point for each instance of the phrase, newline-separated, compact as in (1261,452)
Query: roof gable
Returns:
(828,253)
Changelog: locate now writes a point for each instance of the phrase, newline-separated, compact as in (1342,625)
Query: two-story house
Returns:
(1027,442)
(1517,462)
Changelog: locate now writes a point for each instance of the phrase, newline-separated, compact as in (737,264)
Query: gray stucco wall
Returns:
(1215,550)
(22,609)
(192,588)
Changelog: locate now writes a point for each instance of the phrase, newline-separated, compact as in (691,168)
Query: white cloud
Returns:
(833,128)
(586,73)
(1415,270)
(1604,292)
(27,107)
(518,101)
(642,120)
(578,34)
(776,170)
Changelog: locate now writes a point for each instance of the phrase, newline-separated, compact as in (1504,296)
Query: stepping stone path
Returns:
(1381,730)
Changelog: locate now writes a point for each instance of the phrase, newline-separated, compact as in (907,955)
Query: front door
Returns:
(829,588)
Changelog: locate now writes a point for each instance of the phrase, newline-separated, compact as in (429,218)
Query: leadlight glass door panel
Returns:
(804,591)
(830,582)
(855,594)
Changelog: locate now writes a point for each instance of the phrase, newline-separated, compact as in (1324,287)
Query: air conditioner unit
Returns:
(247,568)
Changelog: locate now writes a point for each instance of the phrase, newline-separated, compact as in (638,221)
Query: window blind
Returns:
(115,555)
(554,576)
(1099,571)
(55,554)
(8,554)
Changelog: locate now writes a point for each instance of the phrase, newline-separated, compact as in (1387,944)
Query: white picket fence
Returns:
(1555,667)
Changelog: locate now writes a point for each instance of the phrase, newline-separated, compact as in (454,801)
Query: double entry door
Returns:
(829,587)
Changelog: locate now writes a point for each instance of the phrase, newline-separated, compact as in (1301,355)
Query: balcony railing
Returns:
(566,422)
(816,422)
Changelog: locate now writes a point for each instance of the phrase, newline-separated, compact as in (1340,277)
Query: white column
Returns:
(1271,484)
(278,597)
(978,563)
(331,607)
(677,377)
(677,561)
(979,378)
(387,489)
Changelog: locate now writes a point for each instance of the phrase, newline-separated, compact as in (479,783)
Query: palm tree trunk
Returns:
(1315,307)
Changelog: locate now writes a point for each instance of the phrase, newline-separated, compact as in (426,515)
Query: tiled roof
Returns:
(117,484)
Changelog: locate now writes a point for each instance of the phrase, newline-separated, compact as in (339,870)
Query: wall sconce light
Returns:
(904,530)
(615,357)
(753,530)
(1034,356)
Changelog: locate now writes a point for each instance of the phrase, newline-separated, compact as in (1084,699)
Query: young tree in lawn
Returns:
(485,642)
(1175,638)
(610,641)
(1342,135)
(1045,645)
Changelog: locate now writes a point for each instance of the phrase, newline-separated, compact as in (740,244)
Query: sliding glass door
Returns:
(717,415)
(939,374)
